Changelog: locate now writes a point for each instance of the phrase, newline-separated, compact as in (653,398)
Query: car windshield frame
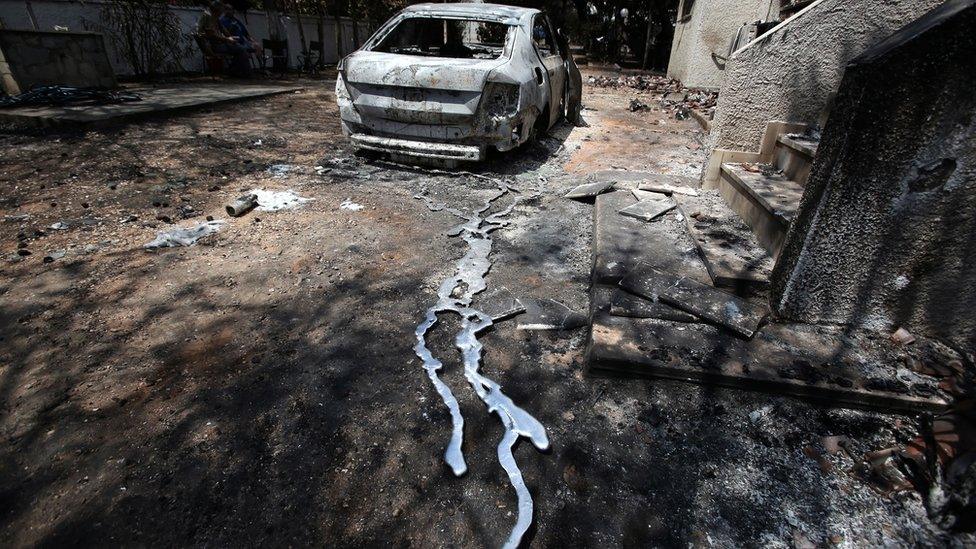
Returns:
(384,33)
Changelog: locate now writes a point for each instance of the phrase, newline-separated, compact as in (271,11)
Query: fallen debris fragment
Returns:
(589,190)
(636,105)
(59,226)
(500,304)
(348,204)
(184,236)
(280,170)
(901,336)
(272,201)
(242,205)
(53,256)
(715,306)
(666,188)
(834,444)
(627,304)
(648,209)
(548,314)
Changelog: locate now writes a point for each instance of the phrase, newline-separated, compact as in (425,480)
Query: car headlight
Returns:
(500,99)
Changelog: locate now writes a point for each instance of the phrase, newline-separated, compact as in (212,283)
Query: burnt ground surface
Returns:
(260,388)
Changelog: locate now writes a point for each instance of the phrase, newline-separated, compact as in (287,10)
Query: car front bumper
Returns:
(424,149)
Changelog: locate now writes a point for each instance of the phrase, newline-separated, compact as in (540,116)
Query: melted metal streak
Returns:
(469,276)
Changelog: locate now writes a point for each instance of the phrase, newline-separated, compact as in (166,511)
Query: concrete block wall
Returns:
(791,72)
(84,16)
(55,58)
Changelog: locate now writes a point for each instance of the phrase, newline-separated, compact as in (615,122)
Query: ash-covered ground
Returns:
(260,387)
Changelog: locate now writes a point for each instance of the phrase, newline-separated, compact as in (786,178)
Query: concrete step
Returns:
(794,154)
(621,242)
(767,203)
(819,363)
(732,254)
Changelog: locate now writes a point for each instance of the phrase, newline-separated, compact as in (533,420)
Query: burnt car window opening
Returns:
(542,36)
(453,38)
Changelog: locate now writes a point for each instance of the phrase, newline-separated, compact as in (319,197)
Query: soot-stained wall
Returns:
(886,231)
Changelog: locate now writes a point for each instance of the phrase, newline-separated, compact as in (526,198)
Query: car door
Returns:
(552,62)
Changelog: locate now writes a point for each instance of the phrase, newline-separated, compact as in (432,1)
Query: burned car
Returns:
(448,81)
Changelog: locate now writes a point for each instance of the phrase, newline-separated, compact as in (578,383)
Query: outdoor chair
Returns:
(213,63)
(311,59)
(277,52)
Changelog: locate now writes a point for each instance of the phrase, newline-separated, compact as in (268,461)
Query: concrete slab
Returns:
(648,209)
(589,190)
(665,187)
(715,306)
(813,362)
(548,314)
(499,304)
(626,179)
(620,243)
(732,253)
(623,303)
(155,100)
(775,193)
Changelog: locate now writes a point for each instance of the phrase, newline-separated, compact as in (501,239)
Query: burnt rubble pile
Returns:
(685,100)
(676,98)
(637,82)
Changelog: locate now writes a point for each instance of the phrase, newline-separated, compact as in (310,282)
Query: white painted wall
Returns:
(709,30)
(79,16)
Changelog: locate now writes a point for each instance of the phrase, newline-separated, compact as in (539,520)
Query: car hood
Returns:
(410,71)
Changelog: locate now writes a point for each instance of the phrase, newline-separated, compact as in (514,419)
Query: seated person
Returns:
(236,29)
(208,28)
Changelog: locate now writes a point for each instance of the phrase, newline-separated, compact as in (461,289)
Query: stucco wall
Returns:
(82,16)
(710,29)
(886,231)
(791,72)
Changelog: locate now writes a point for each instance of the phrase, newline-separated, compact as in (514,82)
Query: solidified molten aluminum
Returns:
(469,278)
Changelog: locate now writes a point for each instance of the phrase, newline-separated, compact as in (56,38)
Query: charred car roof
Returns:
(510,15)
